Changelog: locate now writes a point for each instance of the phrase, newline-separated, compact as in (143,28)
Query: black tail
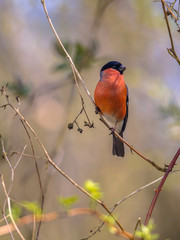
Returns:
(118,146)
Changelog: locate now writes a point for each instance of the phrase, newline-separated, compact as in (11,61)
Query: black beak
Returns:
(122,68)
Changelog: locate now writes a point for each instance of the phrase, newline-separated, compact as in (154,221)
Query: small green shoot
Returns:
(110,222)
(16,211)
(94,189)
(67,202)
(146,232)
(32,207)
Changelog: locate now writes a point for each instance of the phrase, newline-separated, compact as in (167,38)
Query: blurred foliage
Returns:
(19,88)
(83,56)
(146,232)
(94,189)
(171,111)
(32,207)
(144,11)
(110,221)
(16,211)
(67,202)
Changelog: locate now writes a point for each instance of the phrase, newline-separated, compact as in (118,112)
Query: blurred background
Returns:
(32,63)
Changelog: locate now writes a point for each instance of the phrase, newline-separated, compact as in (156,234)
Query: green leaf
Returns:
(146,232)
(19,88)
(93,188)
(61,67)
(60,51)
(16,211)
(110,221)
(67,202)
(172,110)
(84,56)
(32,207)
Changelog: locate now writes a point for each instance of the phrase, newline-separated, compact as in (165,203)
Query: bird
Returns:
(112,99)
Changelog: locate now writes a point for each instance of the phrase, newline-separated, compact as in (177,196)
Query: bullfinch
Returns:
(111,98)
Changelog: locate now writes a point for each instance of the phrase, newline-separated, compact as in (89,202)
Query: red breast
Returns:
(111,93)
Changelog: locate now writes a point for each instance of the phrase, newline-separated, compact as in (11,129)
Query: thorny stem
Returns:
(157,192)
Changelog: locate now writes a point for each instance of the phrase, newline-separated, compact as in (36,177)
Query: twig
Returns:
(135,192)
(171,50)
(38,174)
(169,10)
(7,224)
(27,155)
(157,192)
(12,178)
(11,167)
(137,224)
(9,208)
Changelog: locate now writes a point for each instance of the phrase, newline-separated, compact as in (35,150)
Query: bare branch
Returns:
(11,167)
(39,177)
(171,50)
(9,208)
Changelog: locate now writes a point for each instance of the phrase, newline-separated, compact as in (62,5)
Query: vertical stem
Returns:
(157,192)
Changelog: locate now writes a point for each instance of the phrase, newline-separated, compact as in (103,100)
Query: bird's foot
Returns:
(112,129)
(97,110)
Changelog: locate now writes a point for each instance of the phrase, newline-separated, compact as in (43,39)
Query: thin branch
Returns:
(158,190)
(9,208)
(135,192)
(11,167)
(27,155)
(7,224)
(38,174)
(11,181)
(169,10)
(171,50)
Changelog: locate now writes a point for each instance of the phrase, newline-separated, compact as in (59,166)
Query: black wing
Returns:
(126,116)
